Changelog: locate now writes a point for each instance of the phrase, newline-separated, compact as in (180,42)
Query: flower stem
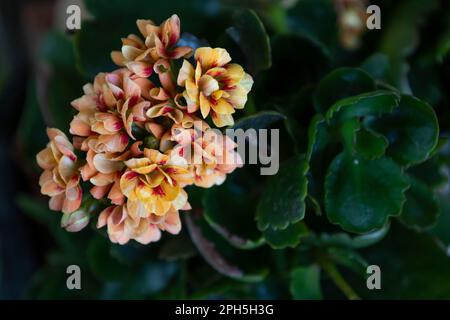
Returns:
(329,267)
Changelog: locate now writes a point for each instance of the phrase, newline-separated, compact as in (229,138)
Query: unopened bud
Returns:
(75,221)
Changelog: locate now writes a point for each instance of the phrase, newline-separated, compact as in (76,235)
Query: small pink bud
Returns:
(75,221)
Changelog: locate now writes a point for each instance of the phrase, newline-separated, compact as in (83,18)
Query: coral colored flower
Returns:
(108,110)
(166,100)
(141,144)
(122,227)
(215,86)
(154,184)
(60,179)
(160,42)
(104,172)
(211,155)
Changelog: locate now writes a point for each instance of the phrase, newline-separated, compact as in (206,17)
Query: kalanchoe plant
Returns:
(364,153)
(144,184)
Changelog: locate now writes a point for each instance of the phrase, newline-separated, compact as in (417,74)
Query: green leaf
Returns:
(339,84)
(249,33)
(230,210)
(372,103)
(322,147)
(305,283)
(350,259)
(421,209)
(412,130)
(400,39)
(289,237)
(376,65)
(316,20)
(369,144)
(443,45)
(342,239)
(315,140)
(401,36)
(413,266)
(440,230)
(283,199)
(259,120)
(431,172)
(237,264)
(361,194)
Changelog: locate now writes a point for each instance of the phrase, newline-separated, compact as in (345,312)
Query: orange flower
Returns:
(122,227)
(165,99)
(154,184)
(108,109)
(211,155)
(215,86)
(60,179)
(160,42)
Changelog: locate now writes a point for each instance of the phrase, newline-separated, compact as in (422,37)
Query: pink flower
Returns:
(60,179)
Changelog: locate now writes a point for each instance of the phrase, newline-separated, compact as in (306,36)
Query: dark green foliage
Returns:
(363,175)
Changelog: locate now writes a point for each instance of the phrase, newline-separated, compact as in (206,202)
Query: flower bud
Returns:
(75,221)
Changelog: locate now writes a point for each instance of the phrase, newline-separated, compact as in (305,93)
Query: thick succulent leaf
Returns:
(260,120)
(421,209)
(440,230)
(359,197)
(401,36)
(316,20)
(349,259)
(283,200)
(370,144)
(343,239)
(342,83)
(377,65)
(367,104)
(411,129)
(249,33)
(289,237)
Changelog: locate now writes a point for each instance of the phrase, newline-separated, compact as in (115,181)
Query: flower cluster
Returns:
(139,138)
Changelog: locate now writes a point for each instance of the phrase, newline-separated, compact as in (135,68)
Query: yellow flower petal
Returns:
(186,72)
(222,106)
(208,85)
(204,106)
(211,58)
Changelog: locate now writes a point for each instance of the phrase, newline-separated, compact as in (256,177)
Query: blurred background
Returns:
(43,67)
